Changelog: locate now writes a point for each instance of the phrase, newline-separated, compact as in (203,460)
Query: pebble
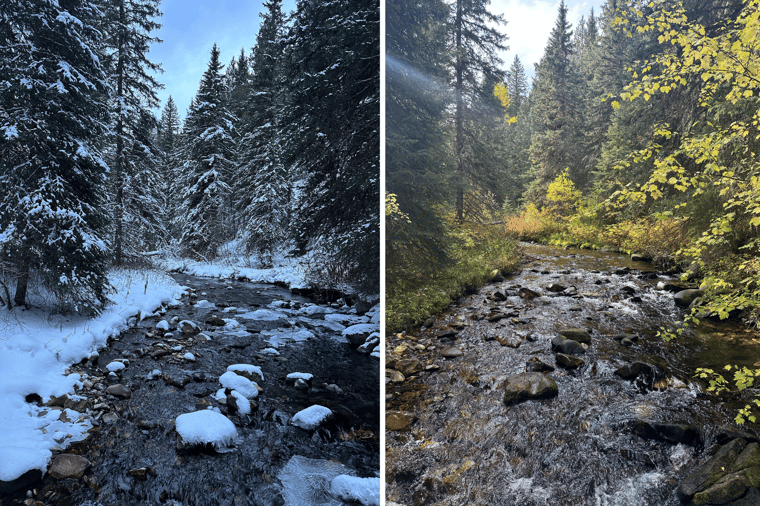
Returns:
(451,352)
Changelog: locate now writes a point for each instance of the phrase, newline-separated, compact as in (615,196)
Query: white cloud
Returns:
(530,22)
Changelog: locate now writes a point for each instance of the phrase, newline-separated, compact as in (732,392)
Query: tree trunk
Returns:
(459,115)
(119,205)
(22,283)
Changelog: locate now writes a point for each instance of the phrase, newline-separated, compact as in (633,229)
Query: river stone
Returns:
(729,488)
(188,328)
(119,390)
(638,257)
(535,365)
(395,376)
(567,346)
(579,335)
(528,385)
(727,434)
(686,297)
(554,287)
(68,466)
(626,342)
(452,352)
(567,361)
(215,321)
(711,471)
(527,293)
(668,432)
(635,370)
(399,420)
(408,366)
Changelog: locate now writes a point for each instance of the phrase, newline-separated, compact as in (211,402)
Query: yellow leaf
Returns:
(615,104)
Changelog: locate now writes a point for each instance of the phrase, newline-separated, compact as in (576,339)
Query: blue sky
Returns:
(190,28)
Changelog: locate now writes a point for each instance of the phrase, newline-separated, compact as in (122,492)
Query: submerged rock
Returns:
(451,352)
(535,365)
(568,362)
(399,420)
(528,385)
(578,335)
(566,346)
(668,432)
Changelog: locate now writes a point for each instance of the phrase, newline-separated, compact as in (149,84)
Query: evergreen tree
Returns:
(209,153)
(557,109)
(128,24)
(263,184)
(415,136)
(517,86)
(475,43)
(168,144)
(54,110)
(334,131)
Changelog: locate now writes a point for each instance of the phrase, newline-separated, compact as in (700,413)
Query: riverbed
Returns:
(451,439)
(133,450)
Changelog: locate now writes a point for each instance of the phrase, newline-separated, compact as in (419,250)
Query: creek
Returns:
(133,448)
(452,440)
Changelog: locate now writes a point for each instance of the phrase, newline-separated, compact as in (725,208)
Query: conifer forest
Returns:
(278,150)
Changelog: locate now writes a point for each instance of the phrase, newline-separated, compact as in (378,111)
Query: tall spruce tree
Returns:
(263,183)
(517,86)
(475,42)
(557,109)
(128,24)
(415,137)
(209,154)
(54,111)
(334,131)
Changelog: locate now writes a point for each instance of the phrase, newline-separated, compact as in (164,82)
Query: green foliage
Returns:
(414,291)
(744,378)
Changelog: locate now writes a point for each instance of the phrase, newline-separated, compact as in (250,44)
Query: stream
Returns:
(451,439)
(134,449)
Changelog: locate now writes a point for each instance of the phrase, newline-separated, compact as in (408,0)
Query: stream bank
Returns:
(624,423)
(133,455)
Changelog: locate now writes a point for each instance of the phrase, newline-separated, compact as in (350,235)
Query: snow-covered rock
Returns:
(115,366)
(206,427)
(189,357)
(353,489)
(163,325)
(252,372)
(243,406)
(292,377)
(358,334)
(311,417)
(204,304)
(188,328)
(243,385)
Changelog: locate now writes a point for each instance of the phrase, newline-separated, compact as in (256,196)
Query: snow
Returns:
(315,309)
(244,407)
(300,375)
(189,357)
(311,417)
(162,325)
(269,351)
(241,384)
(204,304)
(35,350)
(250,369)
(263,315)
(351,488)
(280,336)
(115,366)
(207,427)
(361,328)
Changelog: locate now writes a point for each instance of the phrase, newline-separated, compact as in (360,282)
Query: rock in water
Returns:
(311,417)
(451,352)
(68,466)
(578,335)
(398,420)
(568,362)
(205,427)
(686,297)
(528,385)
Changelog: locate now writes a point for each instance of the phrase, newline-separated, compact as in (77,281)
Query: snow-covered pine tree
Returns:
(168,143)
(209,153)
(128,25)
(263,186)
(333,137)
(53,112)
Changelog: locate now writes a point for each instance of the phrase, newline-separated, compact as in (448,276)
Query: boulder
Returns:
(528,385)
(68,466)
(527,293)
(119,390)
(188,328)
(636,370)
(579,335)
(685,297)
(711,471)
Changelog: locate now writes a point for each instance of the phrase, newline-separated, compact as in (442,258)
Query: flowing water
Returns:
(465,446)
(135,457)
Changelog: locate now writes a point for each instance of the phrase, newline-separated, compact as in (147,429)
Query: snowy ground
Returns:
(36,348)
